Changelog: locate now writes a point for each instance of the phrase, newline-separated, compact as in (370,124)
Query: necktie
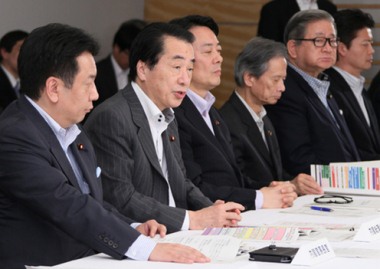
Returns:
(17,88)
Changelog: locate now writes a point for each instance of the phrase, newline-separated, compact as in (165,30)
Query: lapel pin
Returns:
(269,132)
(172,138)
(80,146)
(217,122)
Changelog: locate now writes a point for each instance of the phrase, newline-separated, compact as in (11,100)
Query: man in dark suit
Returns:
(205,139)
(310,128)
(260,70)
(355,55)
(113,70)
(275,14)
(10,45)
(136,137)
(51,203)
(374,94)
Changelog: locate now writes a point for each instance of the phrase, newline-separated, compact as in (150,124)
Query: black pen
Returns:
(319,208)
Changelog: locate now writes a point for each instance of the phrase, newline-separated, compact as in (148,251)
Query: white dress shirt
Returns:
(357,85)
(307,4)
(121,75)
(158,123)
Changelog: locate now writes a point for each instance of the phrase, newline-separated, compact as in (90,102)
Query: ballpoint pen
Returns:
(319,208)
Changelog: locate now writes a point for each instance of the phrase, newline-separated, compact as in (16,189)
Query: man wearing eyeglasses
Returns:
(355,55)
(310,127)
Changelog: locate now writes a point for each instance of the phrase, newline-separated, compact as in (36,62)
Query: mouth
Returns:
(180,94)
(218,72)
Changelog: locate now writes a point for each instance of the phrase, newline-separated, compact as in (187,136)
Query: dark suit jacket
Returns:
(374,94)
(132,176)
(367,139)
(275,15)
(260,163)
(105,80)
(45,219)
(209,159)
(7,93)
(307,133)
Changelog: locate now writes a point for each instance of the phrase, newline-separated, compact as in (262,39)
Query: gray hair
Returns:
(296,26)
(255,56)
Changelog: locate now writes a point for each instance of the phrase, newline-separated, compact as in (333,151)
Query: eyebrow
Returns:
(179,57)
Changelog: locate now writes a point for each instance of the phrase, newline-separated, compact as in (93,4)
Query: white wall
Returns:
(100,18)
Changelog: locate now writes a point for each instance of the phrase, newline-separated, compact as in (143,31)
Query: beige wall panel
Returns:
(232,38)
(220,10)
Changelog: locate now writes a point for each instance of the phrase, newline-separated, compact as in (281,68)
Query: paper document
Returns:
(266,233)
(217,248)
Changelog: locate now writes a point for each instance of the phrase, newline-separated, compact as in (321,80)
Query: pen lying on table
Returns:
(319,208)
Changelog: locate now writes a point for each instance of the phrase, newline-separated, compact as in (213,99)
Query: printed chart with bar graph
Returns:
(361,178)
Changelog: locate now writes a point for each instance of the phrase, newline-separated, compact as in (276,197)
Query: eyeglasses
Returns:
(333,199)
(320,42)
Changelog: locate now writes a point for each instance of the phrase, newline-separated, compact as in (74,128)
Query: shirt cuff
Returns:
(141,249)
(186,222)
(259,199)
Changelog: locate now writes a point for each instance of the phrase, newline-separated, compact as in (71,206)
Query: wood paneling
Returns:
(237,22)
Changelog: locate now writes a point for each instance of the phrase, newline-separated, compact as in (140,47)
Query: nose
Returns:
(94,95)
(218,58)
(185,77)
(281,87)
(372,49)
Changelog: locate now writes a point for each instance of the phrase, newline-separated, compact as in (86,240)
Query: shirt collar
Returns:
(11,78)
(152,112)
(202,104)
(117,67)
(257,117)
(307,4)
(65,136)
(355,83)
(320,84)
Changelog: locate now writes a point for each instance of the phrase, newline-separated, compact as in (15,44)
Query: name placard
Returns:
(369,231)
(313,253)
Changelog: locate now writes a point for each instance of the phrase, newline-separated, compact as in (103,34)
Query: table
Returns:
(258,217)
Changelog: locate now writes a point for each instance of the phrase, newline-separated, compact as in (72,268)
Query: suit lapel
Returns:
(144,134)
(82,157)
(274,148)
(221,131)
(343,87)
(49,137)
(375,132)
(253,131)
(342,132)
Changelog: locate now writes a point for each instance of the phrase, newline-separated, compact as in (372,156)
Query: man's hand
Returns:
(279,195)
(306,184)
(168,252)
(151,228)
(220,214)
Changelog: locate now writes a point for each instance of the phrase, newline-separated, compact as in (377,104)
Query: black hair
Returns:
(8,41)
(349,22)
(52,50)
(191,21)
(148,46)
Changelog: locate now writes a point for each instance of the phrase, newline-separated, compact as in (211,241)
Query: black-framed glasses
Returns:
(320,42)
(333,199)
